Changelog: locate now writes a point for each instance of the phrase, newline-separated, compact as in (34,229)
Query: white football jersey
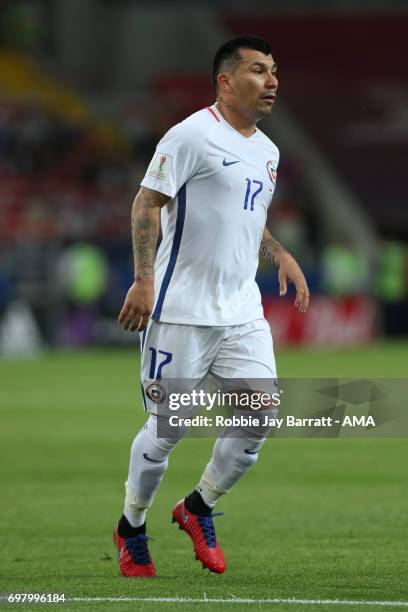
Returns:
(221,184)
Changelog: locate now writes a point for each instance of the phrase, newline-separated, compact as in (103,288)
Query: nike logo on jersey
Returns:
(146,456)
(229,163)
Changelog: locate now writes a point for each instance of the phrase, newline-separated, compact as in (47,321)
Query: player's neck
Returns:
(242,124)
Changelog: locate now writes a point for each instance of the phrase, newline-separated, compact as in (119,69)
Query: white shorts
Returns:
(189,352)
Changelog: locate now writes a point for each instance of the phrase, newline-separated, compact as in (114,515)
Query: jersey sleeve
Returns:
(177,158)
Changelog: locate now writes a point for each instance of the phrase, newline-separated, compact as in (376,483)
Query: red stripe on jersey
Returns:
(213,113)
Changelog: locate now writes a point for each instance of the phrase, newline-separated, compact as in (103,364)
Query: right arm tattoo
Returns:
(145,229)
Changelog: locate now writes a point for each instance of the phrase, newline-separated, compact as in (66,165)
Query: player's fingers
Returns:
(123,313)
(306,301)
(143,323)
(300,294)
(133,316)
(138,324)
(283,287)
(133,323)
(302,298)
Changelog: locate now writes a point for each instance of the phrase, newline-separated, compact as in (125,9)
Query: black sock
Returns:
(195,504)
(125,529)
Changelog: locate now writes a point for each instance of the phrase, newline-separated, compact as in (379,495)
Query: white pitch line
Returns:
(208,600)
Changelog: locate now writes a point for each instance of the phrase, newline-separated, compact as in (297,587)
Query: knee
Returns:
(162,433)
(159,436)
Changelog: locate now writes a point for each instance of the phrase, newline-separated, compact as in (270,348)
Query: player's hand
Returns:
(138,305)
(289,271)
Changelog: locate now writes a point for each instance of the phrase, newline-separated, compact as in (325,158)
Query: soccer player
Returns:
(196,302)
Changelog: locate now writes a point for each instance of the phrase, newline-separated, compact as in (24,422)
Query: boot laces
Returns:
(207,528)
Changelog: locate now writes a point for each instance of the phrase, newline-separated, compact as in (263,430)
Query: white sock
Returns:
(148,463)
(234,452)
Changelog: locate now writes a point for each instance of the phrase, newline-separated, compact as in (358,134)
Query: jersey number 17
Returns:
(249,188)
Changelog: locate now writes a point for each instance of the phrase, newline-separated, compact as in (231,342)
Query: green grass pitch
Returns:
(315,519)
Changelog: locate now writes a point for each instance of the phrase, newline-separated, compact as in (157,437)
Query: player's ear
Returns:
(224,81)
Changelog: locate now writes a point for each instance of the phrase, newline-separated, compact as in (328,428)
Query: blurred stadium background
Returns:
(87,89)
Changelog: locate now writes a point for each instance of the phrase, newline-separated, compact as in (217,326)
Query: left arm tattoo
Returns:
(269,247)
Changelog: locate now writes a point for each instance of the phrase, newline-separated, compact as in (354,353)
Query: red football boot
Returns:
(134,556)
(201,531)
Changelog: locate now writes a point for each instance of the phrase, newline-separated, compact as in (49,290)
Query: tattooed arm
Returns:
(289,271)
(145,220)
(269,247)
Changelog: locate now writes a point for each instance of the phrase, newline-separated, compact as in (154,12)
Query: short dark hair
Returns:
(229,52)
